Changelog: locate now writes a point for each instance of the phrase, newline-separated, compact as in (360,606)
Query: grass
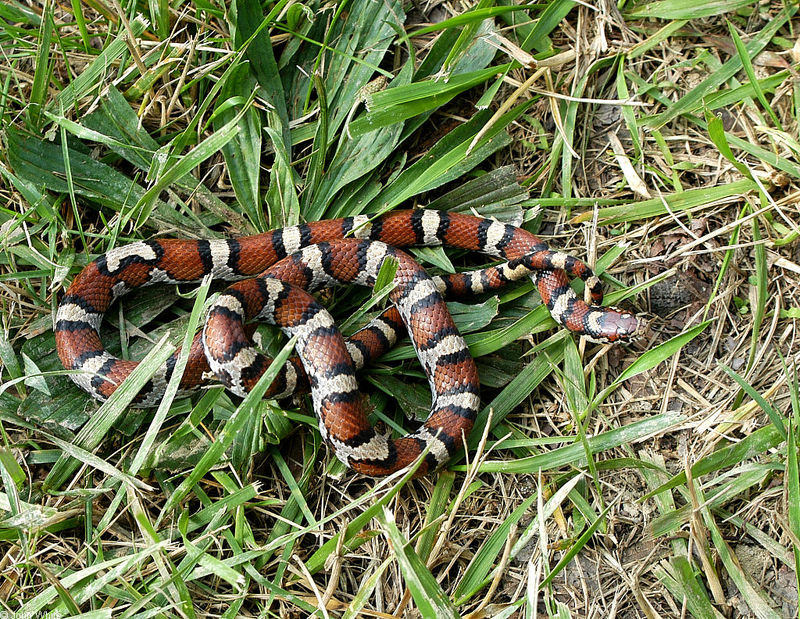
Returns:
(658,140)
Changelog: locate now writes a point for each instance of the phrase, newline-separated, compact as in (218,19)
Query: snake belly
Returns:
(144,263)
(277,296)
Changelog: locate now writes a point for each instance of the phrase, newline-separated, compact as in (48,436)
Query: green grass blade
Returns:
(91,79)
(41,163)
(394,105)
(352,536)
(751,75)
(107,415)
(282,199)
(9,360)
(437,507)
(149,440)
(43,67)
(750,89)
(250,22)
(357,156)
(316,167)
(243,153)
(100,574)
(774,416)
(793,497)
(686,9)
(80,20)
(575,453)
(693,100)
(755,444)
(480,566)
(426,591)
(576,548)
(520,386)
(144,206)
(81,455)
(539,36)
(365,591)
(681,580)
(229,431)
(348,74)
(759,307)
(651,359)
(688,200)
(573,381)
(755,597)
(466,40)
(448,160)
(159,16)
(716,132)
(473,16)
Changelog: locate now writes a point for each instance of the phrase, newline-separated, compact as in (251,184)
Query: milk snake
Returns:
(315,255)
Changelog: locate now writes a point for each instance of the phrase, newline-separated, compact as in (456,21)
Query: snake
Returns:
(349,250)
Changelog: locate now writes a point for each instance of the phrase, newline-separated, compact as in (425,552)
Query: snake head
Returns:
(611,325)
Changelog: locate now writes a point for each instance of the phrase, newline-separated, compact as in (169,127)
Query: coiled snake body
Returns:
(320,254)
